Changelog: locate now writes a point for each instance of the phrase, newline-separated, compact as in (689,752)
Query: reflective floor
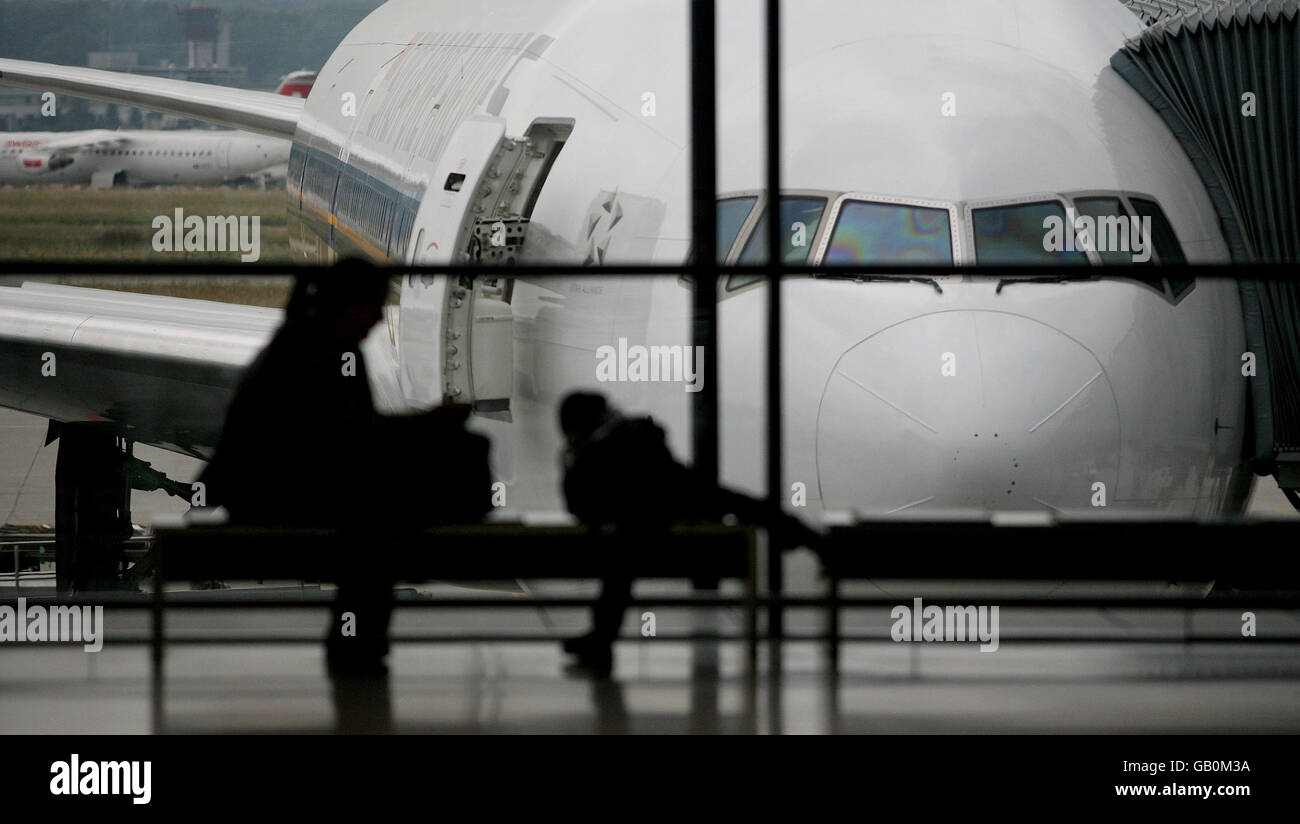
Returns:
(1239,684)
(662,686)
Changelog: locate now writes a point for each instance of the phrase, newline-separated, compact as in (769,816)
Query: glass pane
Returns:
(800,217)
(1167,247)
(731,216)
(890,233)
(1181,286)
(1022,234)
(1111,229)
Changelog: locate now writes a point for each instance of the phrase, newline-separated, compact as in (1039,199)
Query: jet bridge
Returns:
(1225,77)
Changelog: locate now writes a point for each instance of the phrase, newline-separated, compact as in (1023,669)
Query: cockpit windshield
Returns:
(1018,234)
(800,217)
(847,229)
(732,213)
(868,232)
(1110,222)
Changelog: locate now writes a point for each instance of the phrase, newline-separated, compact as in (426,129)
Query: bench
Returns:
(1028,547)
(479,552)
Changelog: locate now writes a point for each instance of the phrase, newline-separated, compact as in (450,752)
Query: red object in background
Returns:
(297,84)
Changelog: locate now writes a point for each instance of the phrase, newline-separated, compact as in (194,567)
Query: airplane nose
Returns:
(967,409)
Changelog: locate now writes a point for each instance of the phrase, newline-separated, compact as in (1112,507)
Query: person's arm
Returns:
(789,530)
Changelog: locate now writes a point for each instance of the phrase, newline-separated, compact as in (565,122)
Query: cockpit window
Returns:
(1097,226)
(867,232)
(732,213)
(1114,238)
(1021,233)
(1168,249)
(800,218)
(1112,235)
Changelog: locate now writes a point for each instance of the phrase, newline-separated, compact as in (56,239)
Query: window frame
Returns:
(1124,195)
(961,218)
(1128,204)
(746,225)
(751,222)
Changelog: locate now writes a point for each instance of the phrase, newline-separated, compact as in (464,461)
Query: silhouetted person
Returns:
(304,446)
(619,471)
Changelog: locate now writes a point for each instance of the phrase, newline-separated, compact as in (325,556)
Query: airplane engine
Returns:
(37,163)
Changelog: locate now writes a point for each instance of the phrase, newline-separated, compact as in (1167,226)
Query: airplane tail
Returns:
(297,84)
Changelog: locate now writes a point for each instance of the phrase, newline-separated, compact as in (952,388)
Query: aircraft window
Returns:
(800,215)
(1167,247)
(1181,286)
(1018,234)
(869,232)
(731,216)
(1111,227)
(1111,237)
(796,240)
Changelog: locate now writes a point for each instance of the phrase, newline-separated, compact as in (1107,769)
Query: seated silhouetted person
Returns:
(619,471)
(304,446)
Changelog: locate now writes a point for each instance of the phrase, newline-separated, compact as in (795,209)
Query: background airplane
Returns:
(104,158)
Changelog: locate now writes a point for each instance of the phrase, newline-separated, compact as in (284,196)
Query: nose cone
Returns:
(967,409)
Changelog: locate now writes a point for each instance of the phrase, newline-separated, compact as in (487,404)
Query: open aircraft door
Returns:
(456,334)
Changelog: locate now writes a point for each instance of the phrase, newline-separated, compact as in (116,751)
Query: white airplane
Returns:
(557,131)
(103,158)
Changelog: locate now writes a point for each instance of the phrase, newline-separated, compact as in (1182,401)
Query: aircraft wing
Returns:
(262,112)
(157,370)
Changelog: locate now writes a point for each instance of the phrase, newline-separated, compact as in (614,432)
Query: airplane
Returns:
(103,158)
(557,131)
(297,84)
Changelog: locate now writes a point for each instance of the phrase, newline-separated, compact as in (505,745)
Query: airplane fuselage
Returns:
(1121,392)
(136,157)
(952,132)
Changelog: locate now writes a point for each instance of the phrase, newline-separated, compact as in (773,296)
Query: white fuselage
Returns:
(896,397)
(136,157)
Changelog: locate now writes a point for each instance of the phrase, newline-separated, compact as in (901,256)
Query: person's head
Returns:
(347,300)
(581,414)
